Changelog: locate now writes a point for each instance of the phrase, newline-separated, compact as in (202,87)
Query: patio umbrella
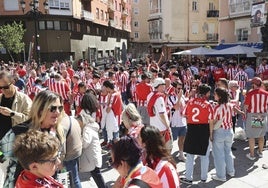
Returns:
(196,51)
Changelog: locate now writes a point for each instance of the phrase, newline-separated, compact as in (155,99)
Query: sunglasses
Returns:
(52,161)
(53,109)
(5,87)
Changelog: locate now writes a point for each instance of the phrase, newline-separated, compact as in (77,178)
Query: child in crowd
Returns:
(37,152)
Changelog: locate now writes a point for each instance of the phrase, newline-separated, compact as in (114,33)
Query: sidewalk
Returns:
(249,174)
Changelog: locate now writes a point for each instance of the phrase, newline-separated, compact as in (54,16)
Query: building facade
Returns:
(139,37)
(235,23)
(176,25)
(76,29)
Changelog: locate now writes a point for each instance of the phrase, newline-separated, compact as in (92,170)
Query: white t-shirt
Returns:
(177,119)
(159,108)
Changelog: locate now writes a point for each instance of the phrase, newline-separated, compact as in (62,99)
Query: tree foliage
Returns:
(11,36)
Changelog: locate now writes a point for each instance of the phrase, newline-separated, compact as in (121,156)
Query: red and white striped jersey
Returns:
(78,98)
(142,91)
(122,82)
(61,88)
(103,99)
(94,86)
(30,84)
(36,89)
(261,68)
(257,101)
(224,112)
(231,73)
(242,78)
(48,82)
(133,91)
(167,174)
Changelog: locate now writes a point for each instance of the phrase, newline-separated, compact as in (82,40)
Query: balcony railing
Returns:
(111,23)
(111,7)
(212,13)
(212,36)
(87,15)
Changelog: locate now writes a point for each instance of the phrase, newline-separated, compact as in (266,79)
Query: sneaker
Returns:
(182,158)
(215,177)
(259,154)
(103,143)
(249,157)
(186,181)
(264,166)
(231,174)
(203,181)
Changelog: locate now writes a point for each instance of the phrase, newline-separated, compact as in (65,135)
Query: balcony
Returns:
(212,36)
(124,27)
(124,14)
(111,23)
(111,6)
(212,13)
(87,15)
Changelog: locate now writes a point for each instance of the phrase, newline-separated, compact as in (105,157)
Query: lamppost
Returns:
(34,4)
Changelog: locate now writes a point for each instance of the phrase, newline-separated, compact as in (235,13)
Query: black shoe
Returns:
(184,180)
(233,149)
(203,181)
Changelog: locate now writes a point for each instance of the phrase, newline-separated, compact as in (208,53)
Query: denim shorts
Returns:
(178,131)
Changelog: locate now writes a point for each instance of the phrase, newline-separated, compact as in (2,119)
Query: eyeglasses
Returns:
(52,161)
(53,109)
(194,85)
(5,87)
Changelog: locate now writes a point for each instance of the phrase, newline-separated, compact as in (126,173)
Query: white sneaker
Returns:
(249,157)
(182,158)
(215,177)
(259,154)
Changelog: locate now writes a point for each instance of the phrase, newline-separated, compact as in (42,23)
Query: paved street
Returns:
(249,174)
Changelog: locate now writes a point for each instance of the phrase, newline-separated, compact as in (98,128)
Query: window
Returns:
(65,25)
(11,5)
(242,35)
(211,6)
(136,1)
(115,5)
(57,25)
(78,27)
(42,25)
(106,16)
(239,6)
(194,6)
(97,31)
(97,13)
(194,28)
(88,29)
(136,24)
(136,11)
(102,15)
(136,35)
(59,4)
(50,25)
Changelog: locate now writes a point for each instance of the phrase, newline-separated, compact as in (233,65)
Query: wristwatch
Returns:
(12,114)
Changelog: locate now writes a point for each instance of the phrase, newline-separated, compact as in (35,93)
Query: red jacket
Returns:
(28,180)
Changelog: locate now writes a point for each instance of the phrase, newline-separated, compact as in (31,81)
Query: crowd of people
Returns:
(140,110)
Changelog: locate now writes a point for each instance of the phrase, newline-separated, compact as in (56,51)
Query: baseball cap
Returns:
(158,81)
(256,80)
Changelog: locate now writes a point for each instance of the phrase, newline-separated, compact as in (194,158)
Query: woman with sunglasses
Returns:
(45,115)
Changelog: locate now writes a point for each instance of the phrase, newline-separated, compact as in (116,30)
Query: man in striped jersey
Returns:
(241,76)
(256,108)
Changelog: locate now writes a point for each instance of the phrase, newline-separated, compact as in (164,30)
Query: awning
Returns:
(253,45)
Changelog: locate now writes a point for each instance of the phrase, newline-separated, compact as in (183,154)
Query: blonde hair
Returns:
(130,115)
(39,110)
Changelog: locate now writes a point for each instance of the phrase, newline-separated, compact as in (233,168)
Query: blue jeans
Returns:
(190,165)
(72,166)
(98,178)
(222,153)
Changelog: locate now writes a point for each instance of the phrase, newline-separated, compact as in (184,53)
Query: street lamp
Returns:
(34,4)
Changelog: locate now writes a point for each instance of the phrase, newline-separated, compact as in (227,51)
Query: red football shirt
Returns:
(198,111)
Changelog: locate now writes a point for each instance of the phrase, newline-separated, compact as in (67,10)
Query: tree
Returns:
(11,38)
